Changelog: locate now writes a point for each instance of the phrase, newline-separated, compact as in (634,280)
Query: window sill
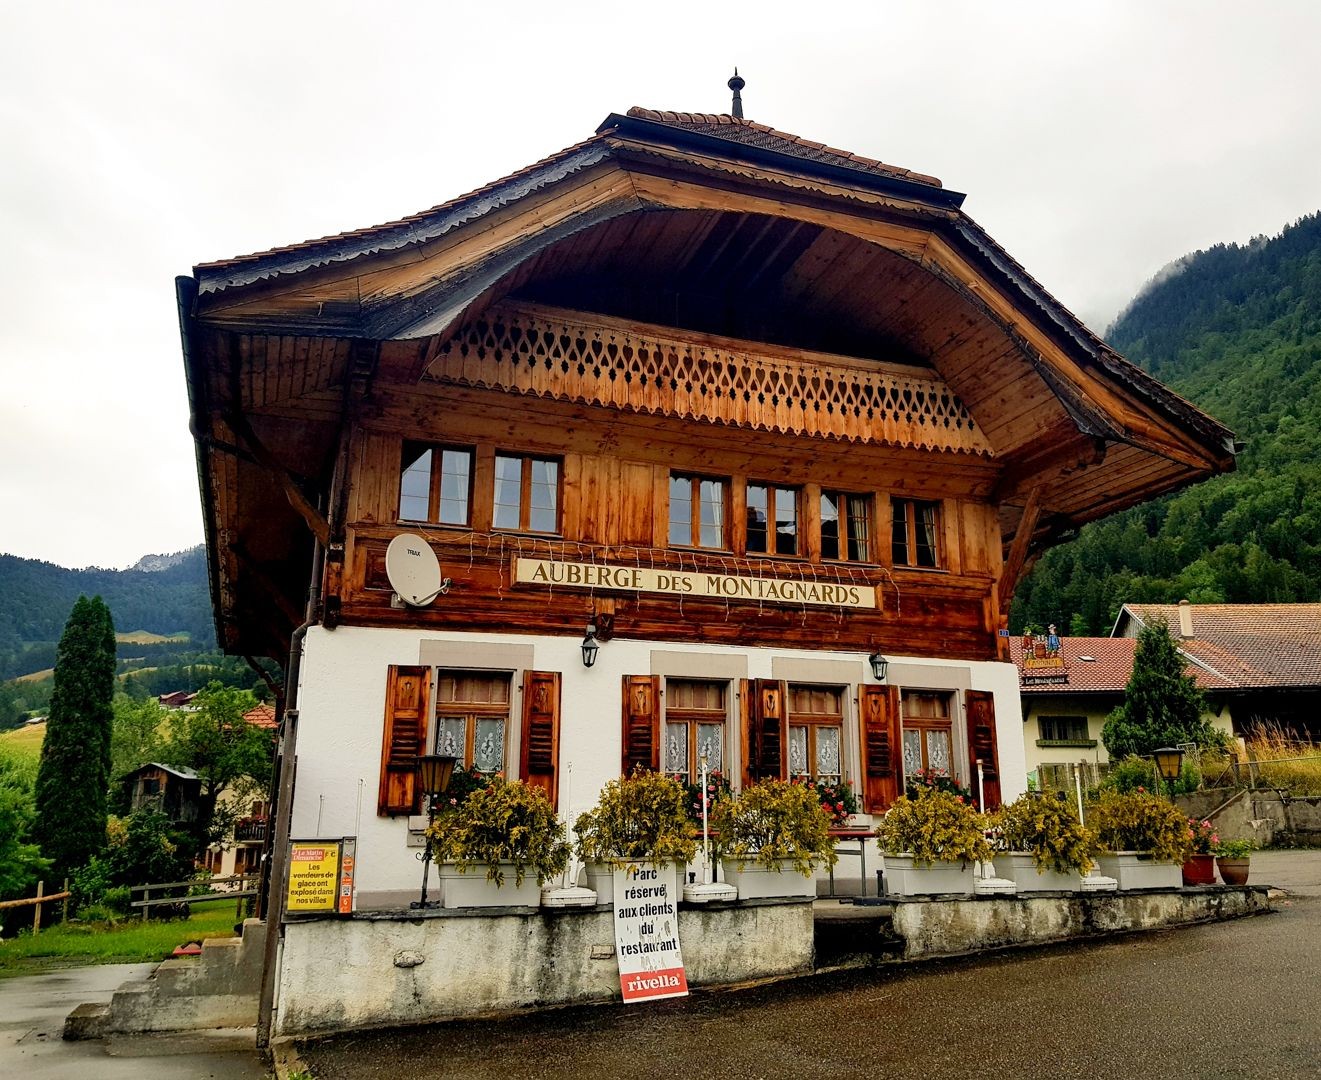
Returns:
(1084,744)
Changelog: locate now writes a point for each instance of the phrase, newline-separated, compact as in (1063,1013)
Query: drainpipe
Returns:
(284,806)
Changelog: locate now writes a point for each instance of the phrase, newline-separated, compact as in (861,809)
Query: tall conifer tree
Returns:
(74,774)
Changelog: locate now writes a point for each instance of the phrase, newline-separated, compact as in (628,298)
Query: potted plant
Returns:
(836,798)
(638,818)
(770,827)
(1200,867)
(1233,858)
(1144,839)
(930,843)
(505,829)
(1041,844)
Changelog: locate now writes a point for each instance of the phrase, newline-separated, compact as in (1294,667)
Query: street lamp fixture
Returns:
(590,646)
(433,778)
(1169,763)
(879,664)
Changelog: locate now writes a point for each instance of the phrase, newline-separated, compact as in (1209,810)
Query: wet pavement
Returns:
(1225,1000)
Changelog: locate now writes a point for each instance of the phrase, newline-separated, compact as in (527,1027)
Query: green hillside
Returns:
(1236,330)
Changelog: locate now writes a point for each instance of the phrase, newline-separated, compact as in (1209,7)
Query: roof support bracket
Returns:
(316,521)
(1018,551)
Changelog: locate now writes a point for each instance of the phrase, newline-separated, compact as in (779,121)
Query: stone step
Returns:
(87,1021)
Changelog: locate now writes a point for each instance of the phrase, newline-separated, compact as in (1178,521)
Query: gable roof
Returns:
(261,716)
(1099,666)
(1250,645)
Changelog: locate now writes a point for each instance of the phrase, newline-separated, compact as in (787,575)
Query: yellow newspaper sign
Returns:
(313,875)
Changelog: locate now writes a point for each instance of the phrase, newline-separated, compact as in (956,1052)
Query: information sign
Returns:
(314,878)
(647,933)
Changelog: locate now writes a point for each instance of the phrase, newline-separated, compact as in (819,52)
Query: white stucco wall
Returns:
(342,701)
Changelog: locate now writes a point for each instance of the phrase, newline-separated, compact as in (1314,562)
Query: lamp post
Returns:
(1169,763)
(433,777)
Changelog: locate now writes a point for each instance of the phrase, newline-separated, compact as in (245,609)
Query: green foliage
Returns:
(1234,849)
(1162,706)
(1049,828)
(1132,774)
(934,780)
(21,864)
(718,790)
(1140,821)
(775,822)
(1203,836)
(140,849)
(835,796)
(643,816)
(136,734)
(934,826)
(504,822)
(74,773)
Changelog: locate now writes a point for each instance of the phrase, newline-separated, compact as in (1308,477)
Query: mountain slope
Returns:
(1237,330)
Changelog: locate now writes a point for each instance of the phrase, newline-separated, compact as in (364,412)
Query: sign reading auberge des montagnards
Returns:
(575,575)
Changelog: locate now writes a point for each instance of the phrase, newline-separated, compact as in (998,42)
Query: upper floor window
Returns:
(772,520)
(527,494)
(1063,729)
(915,533)
(846,527)
(435,484)
(697,511)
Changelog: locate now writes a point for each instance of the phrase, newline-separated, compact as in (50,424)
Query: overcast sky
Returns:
(1096,141)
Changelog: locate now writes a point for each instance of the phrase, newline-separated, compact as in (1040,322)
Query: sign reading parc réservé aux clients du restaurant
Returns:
(647,934)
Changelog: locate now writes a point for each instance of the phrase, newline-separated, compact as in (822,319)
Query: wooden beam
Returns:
(315,520)
(267,582)
(1013,567)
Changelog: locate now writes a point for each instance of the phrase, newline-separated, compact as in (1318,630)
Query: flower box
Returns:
(601,878)
(475,889)
(755,882)
(1138,870)
(905,876)
(1020,867)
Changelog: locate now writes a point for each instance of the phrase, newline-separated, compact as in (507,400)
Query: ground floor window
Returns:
(928,736)
(472,718)
(816,727)
(695,717)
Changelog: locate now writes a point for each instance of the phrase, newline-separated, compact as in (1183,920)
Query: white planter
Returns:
(1137,870)
(754,882)
(905,876)
(474,889)
(601,877)
(1021,868)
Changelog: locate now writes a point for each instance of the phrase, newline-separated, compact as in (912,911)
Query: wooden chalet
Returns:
(756,409)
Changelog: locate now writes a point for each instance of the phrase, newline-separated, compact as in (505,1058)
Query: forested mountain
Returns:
(164,594)
(1236,330)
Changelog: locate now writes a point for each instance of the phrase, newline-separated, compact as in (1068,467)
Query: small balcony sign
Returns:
(647,933)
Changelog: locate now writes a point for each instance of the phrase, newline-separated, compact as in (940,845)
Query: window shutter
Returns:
(405,733)
(880,746)
(764,717)
(980,706)
(541,731)
(641,723)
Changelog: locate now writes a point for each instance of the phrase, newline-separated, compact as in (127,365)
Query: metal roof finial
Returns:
(736,84)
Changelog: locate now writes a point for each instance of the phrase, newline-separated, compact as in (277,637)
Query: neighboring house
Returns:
(1068,695)
(243,854)
(174,790)
(177,699)
(1267,655)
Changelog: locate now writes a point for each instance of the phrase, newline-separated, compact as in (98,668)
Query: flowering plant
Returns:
(773,823)
(463,782)
(1049,828)
(717,790)
(934,826)
(502,822)
(643,816)
(934,780)
(835,796)
(1203,835)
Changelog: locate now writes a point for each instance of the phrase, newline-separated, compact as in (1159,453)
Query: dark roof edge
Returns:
(660,132)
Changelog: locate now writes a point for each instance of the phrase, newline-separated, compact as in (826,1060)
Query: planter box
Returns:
(755,882)
(1137,870)
(601,878)
(1021,868)
(904,876)
(474,889)
(1199,870)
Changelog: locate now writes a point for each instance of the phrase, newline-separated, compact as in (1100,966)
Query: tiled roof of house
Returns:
(1106,669)
(1251,645)
(262,716)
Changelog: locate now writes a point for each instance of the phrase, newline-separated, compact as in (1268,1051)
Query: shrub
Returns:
(1140,821)
(935,780)
(504,822)
(775,822)
(934,826)
(643,816)
(1049,828)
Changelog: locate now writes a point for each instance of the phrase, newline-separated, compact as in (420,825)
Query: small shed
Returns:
(174,790)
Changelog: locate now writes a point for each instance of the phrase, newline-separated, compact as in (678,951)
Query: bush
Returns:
(775,822)
(504,822)
(1140,821)
(935,780)
(935,826)
(643,816)
(140,849)
(1049,828)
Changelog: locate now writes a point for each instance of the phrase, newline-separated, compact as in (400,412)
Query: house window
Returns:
(1064,729)
(772,520)
(527,494)
(816,727)
(915,533)
(435,484)
(697,512)
(846,527)
(472,719)
(695,714)
(927,732)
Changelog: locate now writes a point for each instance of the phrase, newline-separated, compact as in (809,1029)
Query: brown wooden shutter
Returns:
(882,773)
(641,723)
(541,731)
(406,691)
(980,705)
(763,713)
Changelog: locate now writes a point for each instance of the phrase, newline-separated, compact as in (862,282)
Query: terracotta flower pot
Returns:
(1200,870)
(1233,871)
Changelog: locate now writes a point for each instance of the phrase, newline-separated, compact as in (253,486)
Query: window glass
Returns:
(545,492)
(694,725)
(798,763)
(488,752)
(415,483)
(697,512)
(786,521)
(899,532)
(508,491)
(912,752)
(455,483)
(527,493)
(829,525)
(827,752)
(816,719)
(472,718)
(676,749)
(712,533)
(915,533)
(859,528)
(757,517)
(681,510)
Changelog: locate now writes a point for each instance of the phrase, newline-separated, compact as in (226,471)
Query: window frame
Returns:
(923,724)
(813,721)
(435,481)
(470,712)
(773,492)
(842,540)
(526,461)
(694,482)
(910,508)
(693,718)
(1077,735)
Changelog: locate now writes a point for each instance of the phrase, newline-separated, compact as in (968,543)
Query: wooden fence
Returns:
(40,899)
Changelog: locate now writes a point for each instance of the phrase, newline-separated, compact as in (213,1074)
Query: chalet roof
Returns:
(1106,669)
(261,716)
(181,771)
(1251,645)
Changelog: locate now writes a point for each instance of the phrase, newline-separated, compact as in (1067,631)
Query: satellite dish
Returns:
(413,570)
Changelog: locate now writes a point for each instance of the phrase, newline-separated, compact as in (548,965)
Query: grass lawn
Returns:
(128,941)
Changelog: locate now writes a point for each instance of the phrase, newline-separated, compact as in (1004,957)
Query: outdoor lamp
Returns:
(878,666)
(433,777)
(590,646)
(1169,763)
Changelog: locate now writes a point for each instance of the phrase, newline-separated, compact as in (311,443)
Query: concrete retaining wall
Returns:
(391,969)
(1264,817)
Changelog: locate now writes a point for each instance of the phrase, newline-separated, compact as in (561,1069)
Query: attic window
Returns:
(1088,659)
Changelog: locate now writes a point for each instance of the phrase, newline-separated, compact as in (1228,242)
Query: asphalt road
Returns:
(1238,999)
